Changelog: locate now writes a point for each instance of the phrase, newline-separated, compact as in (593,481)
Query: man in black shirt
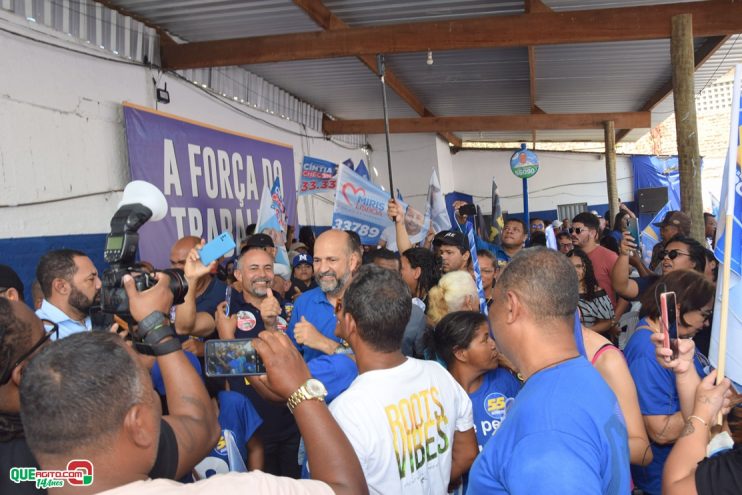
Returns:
(185,436)
(256,309)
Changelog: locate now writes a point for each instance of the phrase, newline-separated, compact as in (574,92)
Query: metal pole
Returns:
(380,65)
(525,205)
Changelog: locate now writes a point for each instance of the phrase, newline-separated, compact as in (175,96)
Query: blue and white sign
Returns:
(360,206)
(524,163)
(317,176)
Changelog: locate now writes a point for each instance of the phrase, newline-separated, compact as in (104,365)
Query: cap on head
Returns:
(676,219)
(259,241)
(452,238)
(302,258)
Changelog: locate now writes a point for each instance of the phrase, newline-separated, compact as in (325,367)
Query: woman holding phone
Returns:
(656,387)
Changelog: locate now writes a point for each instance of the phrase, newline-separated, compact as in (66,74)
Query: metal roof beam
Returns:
(710,18)
(548,121)
(329,21)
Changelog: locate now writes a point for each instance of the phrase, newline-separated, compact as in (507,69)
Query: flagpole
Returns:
(382,73)
(729,226)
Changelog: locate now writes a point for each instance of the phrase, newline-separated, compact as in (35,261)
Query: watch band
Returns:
(301,395)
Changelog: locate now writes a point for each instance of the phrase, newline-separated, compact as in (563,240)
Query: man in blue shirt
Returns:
(70,284)
(565,433)
(313,321)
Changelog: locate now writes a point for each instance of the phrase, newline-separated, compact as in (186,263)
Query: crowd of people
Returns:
(378,372)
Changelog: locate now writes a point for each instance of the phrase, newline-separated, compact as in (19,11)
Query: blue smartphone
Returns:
(216,248)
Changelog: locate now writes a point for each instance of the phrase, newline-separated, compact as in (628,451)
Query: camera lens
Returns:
(178,284)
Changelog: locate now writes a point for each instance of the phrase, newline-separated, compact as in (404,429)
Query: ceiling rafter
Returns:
(324,17)
(546,121)
(710,18)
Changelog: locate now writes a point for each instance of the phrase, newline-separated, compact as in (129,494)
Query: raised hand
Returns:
(226,326)
(270,309)
(194,268)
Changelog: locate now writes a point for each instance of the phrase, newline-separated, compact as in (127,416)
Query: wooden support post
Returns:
(610,168)
(681,53)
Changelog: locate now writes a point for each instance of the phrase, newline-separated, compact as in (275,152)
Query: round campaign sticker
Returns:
(246,321)
(281,324)
(496,405)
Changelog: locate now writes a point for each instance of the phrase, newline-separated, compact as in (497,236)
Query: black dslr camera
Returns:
(120,252)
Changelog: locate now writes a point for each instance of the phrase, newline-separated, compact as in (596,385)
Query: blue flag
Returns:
(475,263)
(362,170)
(731,204)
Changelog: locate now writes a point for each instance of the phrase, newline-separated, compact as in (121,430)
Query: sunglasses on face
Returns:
(672,254)
(577,230)
(54,330)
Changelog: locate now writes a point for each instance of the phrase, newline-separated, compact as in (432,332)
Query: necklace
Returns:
(556,363)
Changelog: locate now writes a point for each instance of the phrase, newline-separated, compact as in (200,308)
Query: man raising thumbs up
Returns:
(256,308)
(313,320)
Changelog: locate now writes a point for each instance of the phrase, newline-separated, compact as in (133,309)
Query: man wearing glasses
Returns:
(585,230)
(70,284)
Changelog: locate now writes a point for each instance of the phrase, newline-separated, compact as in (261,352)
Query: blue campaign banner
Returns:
(317,176)
(649,172)
(211,177)
(360,206)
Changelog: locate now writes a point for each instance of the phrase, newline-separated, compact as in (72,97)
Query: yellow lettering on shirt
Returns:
(417,427)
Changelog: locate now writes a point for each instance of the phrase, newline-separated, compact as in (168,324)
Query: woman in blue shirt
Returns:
(462,340)
(656,387)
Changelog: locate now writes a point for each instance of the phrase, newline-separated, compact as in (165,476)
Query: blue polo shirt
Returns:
(317,310)
(658,396)
(502,257)
(67,326)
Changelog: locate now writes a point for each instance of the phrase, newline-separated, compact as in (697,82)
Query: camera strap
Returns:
(160,349)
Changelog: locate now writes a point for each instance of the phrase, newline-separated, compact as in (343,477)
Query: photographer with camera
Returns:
(70,413)
(71,401)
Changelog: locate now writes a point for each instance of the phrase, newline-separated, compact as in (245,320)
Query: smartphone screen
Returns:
(232,358)
(216,248)
(634,229)
(668,306)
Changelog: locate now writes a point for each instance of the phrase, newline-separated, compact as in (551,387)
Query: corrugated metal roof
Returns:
(599,77)
(202,20)
(342,87)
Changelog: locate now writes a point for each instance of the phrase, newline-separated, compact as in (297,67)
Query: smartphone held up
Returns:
(237,357)
(669,322)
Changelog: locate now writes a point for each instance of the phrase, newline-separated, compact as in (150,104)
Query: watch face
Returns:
(315,388)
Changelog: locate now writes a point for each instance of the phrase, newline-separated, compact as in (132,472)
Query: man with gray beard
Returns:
(312,325)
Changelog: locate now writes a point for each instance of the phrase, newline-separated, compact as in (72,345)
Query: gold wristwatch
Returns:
(311,389)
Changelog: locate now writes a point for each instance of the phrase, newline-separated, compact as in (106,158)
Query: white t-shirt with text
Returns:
(401,423)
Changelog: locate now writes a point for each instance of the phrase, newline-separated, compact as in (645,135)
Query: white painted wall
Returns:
(562,178)
(63,159)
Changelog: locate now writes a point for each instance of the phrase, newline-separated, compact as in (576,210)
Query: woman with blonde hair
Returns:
(456,291)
